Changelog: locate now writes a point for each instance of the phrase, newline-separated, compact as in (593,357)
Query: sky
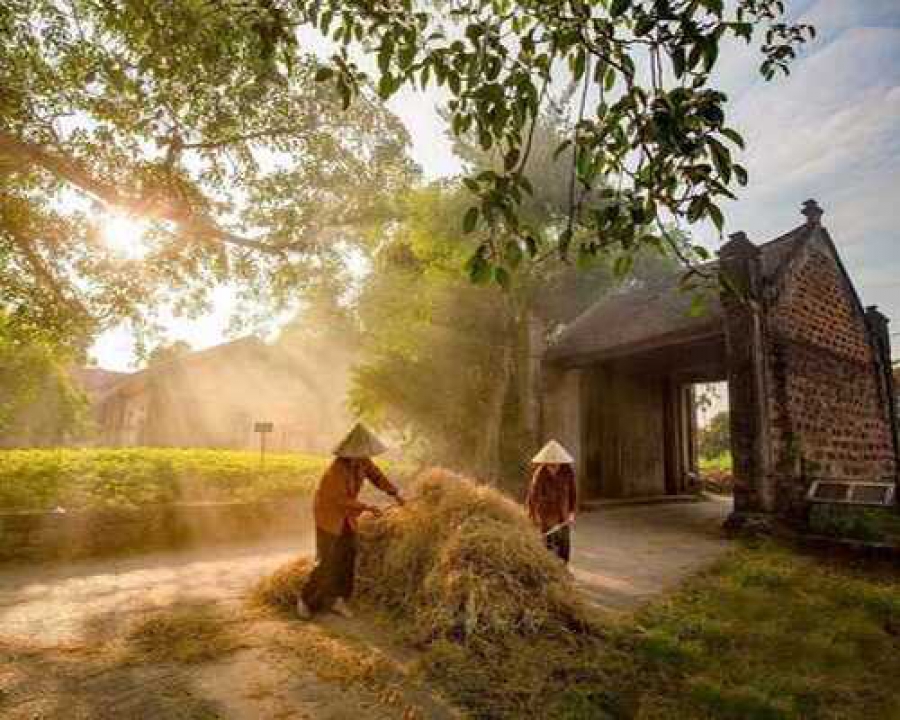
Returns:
(830,131)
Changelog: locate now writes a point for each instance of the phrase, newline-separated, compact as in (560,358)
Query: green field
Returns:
(90,478)
(721,463)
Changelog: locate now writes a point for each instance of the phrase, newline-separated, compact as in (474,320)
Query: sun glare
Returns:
(124,235)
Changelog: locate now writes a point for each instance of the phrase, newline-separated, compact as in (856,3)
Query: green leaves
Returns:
(470,221)
(623,265)
(479,269)
(323,74)
(698,306)
(734,136)
(617,8)
(513,253)
(387,86)
(502,277)
(715,214)
(721,157)
(511,159)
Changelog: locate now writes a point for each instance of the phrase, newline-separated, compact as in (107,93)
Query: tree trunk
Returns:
(493,421)
(533,340)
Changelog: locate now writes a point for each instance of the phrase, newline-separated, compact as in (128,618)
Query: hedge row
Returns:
(133,477)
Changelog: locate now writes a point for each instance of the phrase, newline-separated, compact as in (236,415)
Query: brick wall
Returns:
(828,404)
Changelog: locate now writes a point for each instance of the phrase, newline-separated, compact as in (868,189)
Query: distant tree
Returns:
(39,403)
(715,438)
(705,396)
(435,351)
(446,363)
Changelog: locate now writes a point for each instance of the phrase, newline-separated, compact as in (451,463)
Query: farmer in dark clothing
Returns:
(553,497)
(336,510)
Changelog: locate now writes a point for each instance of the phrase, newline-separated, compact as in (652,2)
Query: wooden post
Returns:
(263,428)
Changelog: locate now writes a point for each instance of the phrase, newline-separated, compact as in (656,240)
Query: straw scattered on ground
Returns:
(281,589)
(184,635)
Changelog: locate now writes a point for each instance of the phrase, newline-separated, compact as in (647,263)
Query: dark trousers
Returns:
(560,542)
(332,577)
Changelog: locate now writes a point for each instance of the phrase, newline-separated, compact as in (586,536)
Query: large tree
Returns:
(450,364)
(202,116)
(183,115)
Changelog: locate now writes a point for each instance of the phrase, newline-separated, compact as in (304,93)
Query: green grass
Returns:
(868,524)
(767,634)
(772,634)
(90,478)
(721,462)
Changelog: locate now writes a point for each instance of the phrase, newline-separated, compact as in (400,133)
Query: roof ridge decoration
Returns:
(812,212)
(739,246)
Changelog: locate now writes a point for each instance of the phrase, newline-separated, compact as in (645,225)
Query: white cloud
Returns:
(832,131)
(832,16)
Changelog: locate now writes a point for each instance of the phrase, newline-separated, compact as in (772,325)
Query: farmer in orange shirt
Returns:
(553,498)
(336,510)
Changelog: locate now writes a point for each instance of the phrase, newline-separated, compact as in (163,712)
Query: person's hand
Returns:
(571,518)
(375,511)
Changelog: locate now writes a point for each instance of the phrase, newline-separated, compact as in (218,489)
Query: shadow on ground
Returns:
(202,661)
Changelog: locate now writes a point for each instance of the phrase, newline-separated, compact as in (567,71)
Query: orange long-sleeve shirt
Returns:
(336,502)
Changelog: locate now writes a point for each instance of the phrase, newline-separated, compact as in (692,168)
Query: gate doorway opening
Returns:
(713,436)
(640,420)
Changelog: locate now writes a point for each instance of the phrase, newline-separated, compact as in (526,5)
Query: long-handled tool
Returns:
(557,528)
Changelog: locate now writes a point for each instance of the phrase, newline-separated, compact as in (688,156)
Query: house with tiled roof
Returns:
(214,397)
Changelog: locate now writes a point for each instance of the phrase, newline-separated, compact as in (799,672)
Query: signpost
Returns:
(263,428)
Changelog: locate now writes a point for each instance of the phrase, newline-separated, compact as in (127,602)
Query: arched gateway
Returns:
(808,371)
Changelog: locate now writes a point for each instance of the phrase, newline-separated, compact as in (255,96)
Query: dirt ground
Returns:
(68,648)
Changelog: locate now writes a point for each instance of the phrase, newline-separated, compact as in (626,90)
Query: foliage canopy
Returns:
(252,140)
(715,438)
(220,124)
(649,117)
(177,114)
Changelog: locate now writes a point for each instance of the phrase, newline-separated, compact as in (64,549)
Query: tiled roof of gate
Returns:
(658,313)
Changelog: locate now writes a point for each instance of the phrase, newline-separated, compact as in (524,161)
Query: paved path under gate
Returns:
(623,557)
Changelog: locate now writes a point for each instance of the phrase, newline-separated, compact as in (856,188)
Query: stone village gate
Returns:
(808,371)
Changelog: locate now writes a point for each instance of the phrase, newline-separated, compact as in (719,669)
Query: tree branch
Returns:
(235,139)
(71,171)
(45,276)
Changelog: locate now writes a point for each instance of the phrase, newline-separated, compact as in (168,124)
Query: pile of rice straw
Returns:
(458,561)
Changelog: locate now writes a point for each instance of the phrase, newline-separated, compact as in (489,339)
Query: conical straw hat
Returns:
(360,442)
(553,454)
